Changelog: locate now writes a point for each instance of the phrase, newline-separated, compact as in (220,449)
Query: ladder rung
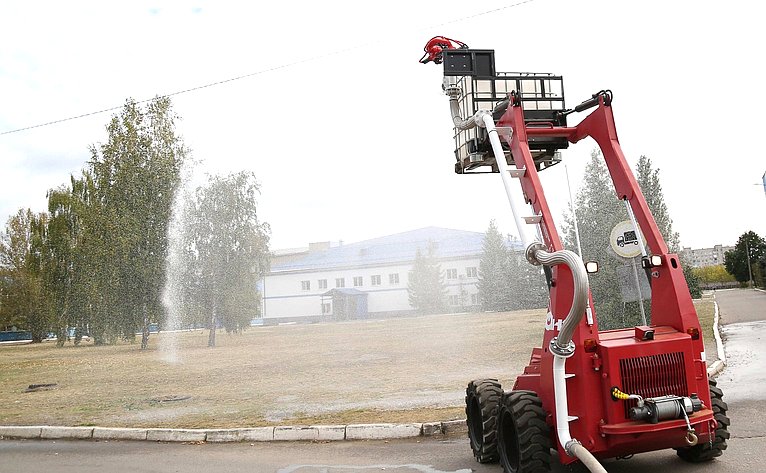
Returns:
(518,172)
(533,219)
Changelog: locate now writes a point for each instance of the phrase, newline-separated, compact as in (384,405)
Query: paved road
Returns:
(744,380)
(743,383)
(429,456)
(741,305)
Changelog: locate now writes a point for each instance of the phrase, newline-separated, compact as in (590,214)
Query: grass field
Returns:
(394,370)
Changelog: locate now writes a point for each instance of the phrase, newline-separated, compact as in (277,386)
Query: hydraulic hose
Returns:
(587,458)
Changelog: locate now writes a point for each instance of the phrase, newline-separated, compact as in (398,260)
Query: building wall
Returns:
(702,257)
(297,295)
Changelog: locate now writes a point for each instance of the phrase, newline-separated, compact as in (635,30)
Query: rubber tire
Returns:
(523,436)
(704,452)
(482,400)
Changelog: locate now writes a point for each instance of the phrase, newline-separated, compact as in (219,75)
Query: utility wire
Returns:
(263,71)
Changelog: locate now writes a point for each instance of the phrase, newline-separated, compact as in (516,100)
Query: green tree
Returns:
(133,177)
(24,303)
(60,262)
(649,180)
(711,275)
(746,257)
(506,279)
(494,288)
(230,247)
(598,211)
(426,288)
(526,282)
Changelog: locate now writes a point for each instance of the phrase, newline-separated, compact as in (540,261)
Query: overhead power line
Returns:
(263,71)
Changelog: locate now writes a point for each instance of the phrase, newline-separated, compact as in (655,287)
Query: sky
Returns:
(351,138)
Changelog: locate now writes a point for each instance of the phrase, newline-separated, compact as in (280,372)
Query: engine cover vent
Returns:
(653,376)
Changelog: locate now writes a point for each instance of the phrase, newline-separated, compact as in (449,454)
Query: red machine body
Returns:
(670,361)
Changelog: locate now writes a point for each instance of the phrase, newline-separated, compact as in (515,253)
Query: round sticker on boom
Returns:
(624,240)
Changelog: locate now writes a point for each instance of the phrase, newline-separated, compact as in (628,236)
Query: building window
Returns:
(326,308)
(451,273)
(471,272)
(358,281)
(340,282)
(393,278)
(322,284)
(474,299)
(305,285)
(453,300)
(375,280)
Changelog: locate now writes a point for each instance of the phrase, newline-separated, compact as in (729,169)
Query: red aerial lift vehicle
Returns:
(587,393)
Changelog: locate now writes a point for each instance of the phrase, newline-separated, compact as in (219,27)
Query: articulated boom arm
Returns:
(669,288)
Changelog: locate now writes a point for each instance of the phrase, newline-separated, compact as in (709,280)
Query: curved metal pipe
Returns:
(536,252)
(460,122)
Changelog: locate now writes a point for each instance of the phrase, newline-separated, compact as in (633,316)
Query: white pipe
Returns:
(560,395)
(572,446)
(502,166)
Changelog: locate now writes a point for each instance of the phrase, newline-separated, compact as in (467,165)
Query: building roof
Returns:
(391,249)
(346,291)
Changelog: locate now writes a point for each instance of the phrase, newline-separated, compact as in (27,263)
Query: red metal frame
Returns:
(602,424)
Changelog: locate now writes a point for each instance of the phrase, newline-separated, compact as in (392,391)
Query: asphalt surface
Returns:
(741,305)
(424,456)
(743,384)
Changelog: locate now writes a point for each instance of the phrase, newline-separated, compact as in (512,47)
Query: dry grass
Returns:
(412,369)
(394,370)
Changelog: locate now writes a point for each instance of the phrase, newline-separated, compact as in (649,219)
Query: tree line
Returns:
(96,262)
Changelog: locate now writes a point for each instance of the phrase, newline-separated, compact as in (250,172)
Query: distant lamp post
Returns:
(749,271)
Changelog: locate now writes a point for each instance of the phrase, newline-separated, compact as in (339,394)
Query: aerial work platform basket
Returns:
(471,77)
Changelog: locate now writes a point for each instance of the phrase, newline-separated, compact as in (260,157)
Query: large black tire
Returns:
(523,436)
(482,399)
(703,452)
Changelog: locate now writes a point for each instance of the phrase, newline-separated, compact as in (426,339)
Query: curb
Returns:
(314,433)
(719,365)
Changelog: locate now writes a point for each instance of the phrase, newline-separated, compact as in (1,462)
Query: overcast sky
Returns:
(352,139)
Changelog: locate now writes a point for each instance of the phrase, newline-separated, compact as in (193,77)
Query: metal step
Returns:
(534,219)
(517,172)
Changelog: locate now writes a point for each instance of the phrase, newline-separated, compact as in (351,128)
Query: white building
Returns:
(368,278)
(701,257)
